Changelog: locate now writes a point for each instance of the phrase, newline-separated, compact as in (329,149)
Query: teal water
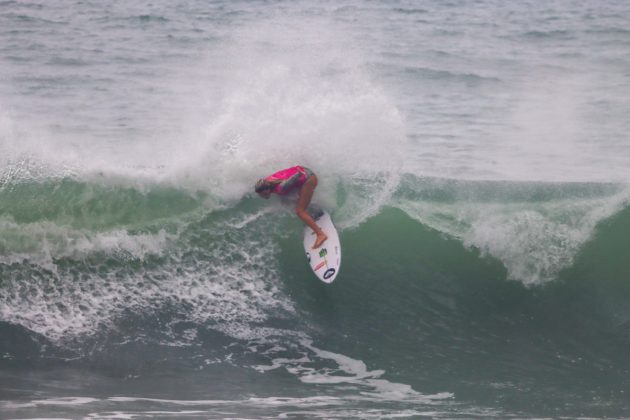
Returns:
(473,155)
(203,314)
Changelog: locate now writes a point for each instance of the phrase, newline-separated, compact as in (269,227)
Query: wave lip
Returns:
(535,229)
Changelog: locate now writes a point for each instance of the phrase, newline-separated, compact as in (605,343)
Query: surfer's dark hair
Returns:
(263,185)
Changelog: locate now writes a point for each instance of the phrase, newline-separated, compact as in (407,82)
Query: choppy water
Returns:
(474,155)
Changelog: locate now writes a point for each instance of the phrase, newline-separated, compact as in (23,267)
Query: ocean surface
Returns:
(474,155)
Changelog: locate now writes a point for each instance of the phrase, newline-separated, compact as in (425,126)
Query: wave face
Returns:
(474,158)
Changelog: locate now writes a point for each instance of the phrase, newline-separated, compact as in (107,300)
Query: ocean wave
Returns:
(534,229)
(232,288)
(558,34)
(445,75)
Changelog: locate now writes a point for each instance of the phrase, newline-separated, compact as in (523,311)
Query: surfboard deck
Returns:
(325,260)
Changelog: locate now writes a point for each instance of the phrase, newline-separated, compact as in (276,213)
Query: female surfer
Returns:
(290,179)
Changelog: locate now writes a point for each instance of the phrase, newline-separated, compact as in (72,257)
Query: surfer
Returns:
(290,179)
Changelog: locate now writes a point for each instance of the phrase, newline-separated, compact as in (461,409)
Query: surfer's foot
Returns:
(321,237)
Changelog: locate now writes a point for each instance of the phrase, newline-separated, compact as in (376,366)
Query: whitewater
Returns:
(474,156)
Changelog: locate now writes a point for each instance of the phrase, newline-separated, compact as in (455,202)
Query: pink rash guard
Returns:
(292,178)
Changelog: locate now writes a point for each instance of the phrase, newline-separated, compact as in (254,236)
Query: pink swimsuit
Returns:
(292,178)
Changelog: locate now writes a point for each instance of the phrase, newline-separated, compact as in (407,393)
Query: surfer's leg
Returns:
(304,199)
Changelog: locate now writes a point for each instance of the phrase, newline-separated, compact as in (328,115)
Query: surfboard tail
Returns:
(315,212)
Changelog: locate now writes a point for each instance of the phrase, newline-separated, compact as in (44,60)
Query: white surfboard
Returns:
(325,260)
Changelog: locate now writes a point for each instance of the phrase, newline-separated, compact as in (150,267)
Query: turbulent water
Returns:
(474,155)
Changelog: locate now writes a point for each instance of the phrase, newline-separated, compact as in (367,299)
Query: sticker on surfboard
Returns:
(325,260)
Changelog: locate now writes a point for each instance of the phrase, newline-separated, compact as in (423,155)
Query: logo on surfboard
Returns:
(320,265)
